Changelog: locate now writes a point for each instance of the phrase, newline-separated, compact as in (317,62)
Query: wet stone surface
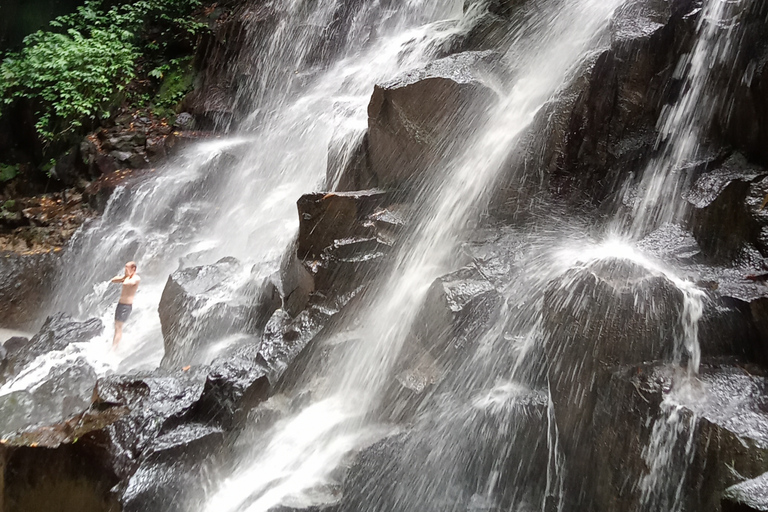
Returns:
(59,331)
(201,306)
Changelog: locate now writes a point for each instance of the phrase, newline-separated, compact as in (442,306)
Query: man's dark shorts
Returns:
(122,312)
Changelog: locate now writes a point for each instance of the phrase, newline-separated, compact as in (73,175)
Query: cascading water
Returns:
(683,127)
(547,49)
(474,440)
(235,196)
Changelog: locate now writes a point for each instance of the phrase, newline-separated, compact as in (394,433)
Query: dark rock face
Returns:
(721,418)
(610,313)
(457,310)
(728,208)
(601,130)
(24,284)
(286,337)
(468,465)
(98,192)
(343,236)
(415,121)
(349,167)
(58,331)
(743,119)
(194,317)
(457,307)
(48,470)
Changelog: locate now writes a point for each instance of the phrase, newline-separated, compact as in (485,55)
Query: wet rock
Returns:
(741,120)
(508,442)
(235,384)
(720,417)
(59,331)
(286,336)
(64,392)
(226,57)
(24,285)
(503,8)
(348,168)
(609,313)
(65,467)
(151,436)
(416,121)
(728,209)
(178,140)
(201,306)
(169,475)
(326,217)
(457,310)
(17,411)
(98,192)
(600,130)
(748,496)
(339,242)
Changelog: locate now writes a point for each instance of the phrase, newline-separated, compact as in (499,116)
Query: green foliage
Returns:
(177,77)
(69,77)
(81,68)
(8,172)
(9,205)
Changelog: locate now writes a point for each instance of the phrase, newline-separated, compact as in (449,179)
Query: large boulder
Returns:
(201,306)
(682,441)
(345,236)
(609,313)
(66,467)
(141,443)
(729,208)
(58,332)
(421,119)
(24,285)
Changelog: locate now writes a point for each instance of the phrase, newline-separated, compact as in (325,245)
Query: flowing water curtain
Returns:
(236,196)
(669,453)
(683,126)
(553,45)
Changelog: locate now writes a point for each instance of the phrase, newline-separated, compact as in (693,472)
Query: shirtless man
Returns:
(130,282)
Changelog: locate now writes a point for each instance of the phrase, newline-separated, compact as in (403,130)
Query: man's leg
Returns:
(118,333)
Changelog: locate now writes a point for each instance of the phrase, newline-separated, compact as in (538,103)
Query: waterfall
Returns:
(235,195)
(501,429)
(548,49)
(682,131)
(683,126)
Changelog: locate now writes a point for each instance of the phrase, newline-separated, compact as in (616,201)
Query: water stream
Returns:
(548,48)
(235,196)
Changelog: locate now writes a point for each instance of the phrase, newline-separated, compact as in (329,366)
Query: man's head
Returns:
(130,268)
